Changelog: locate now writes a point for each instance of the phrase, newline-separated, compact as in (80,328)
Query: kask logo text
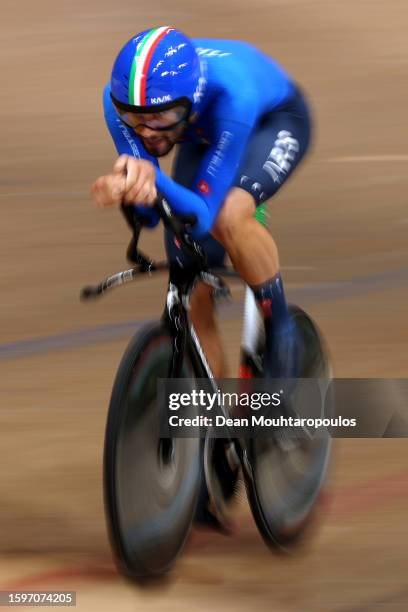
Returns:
(160,99)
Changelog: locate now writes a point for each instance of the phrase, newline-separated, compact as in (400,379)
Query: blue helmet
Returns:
(157,68)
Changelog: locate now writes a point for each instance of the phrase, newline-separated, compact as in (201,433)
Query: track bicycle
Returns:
(153,485)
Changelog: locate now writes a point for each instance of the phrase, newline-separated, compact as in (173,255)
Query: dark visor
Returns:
(159,117)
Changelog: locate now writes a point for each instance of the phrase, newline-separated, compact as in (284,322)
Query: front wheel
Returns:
(150,483)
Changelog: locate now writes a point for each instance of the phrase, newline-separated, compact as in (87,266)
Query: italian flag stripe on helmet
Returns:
(140,65)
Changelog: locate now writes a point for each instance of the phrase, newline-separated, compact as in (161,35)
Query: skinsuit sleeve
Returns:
(127,143)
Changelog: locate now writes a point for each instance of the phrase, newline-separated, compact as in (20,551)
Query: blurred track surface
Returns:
(341,226)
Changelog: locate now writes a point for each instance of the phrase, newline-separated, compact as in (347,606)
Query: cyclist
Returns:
(241,125)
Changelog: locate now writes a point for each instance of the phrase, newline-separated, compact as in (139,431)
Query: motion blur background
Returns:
(341,226)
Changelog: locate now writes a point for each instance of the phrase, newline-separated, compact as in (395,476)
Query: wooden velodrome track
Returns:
(342,231)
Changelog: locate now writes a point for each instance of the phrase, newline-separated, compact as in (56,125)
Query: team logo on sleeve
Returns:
(204,187)
(221,150)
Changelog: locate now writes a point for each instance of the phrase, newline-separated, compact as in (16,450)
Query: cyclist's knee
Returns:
(238,209)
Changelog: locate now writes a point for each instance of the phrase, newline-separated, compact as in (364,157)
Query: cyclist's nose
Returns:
(146,132)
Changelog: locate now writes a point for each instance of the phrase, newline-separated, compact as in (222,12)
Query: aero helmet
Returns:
(156,69)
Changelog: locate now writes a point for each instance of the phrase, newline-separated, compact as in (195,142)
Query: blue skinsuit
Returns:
(243,85)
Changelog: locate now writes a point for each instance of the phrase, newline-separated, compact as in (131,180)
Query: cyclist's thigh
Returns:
(185,168)
(275,149)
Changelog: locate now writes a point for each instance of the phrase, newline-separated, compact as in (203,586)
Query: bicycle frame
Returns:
(177,321)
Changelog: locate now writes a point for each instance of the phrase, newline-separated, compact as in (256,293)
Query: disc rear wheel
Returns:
(284,477)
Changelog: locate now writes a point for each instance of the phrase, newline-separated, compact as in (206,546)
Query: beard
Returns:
(158,147)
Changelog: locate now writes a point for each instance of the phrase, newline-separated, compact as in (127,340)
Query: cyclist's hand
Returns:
(108,190)
(140,176)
